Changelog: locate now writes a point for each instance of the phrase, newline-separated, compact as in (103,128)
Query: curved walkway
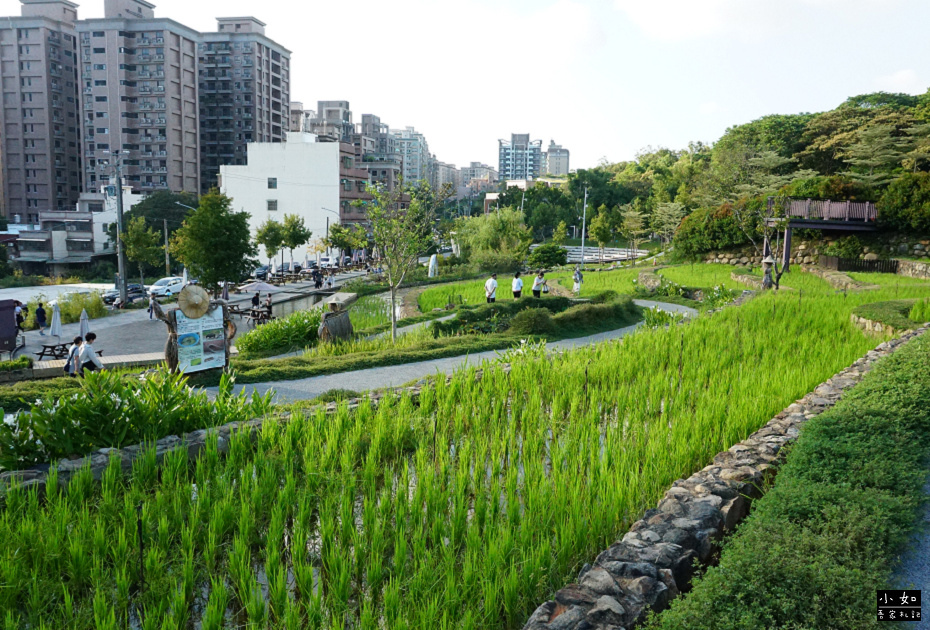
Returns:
(914,570)
(396,375)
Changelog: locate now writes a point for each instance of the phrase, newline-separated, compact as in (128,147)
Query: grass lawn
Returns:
(887,279)
(703,275)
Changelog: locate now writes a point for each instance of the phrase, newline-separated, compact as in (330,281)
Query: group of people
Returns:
(540,285)
(82,357)
(323,280)
(257,302)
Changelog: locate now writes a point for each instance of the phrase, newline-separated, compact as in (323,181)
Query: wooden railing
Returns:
(827,210)
(857,264)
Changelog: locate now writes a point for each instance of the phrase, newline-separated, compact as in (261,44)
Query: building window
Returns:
(272,205)
(98,33)
(272,183)
(100,66)
(100,51)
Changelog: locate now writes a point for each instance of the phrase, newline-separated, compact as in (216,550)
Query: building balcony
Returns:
(79,236)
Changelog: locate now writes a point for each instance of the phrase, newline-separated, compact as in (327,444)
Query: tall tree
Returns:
(918,146)
(665,220)
(633,228)
(270,235)
(560,233)
(601,230)
(295,233)
(214,241)
(876,153)
(346,238)
(401,235)
(142,245)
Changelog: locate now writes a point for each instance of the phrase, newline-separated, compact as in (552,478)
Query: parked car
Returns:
(328,263)
(346,261)
(261,273)
(284,268)
(167,287)
(133,292)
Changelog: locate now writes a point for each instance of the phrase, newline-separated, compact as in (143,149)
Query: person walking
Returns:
(540,285)
(490,288)
(88,359)
(40,319)
(578,279)
(516,286)
(20,318)
(151,306)
(74,353)
(268,303)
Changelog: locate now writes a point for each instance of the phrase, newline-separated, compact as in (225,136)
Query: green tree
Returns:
(270,235)
(142,245)
(918,146)
(560,233)
(295,234)
(214,241)
(502,231)
(602,232)
(876,153)
(400,235)
(547,255)
(633,228)
(345,238)
(665,220)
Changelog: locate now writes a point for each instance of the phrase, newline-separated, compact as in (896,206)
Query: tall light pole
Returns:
(327,227)
(584,218)
(121,265)
(167,260)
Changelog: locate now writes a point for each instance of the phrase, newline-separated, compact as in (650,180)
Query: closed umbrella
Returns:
(226,291)
(85,323)
(274,267)
(55,329)
(184,276)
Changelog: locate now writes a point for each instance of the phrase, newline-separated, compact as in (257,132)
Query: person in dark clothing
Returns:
(40,319)
(256,300)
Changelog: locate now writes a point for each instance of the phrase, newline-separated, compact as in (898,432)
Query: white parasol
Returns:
(184,276)
(261,287)
(55,329)
(85,322)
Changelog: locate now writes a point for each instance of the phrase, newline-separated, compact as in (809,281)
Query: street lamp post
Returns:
(327,227)
(121,265)
(167,260)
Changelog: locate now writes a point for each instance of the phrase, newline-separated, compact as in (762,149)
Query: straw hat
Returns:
(193,301)
(768,259)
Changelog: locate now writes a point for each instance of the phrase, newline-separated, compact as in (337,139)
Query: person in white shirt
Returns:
(578,278)
(517,286)
(490,288)
(539,282)
(72,367)
(88,359)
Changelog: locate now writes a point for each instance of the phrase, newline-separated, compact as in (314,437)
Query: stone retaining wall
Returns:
(750,281)
(654,561)
(914,269)
(836,279)
(872,327)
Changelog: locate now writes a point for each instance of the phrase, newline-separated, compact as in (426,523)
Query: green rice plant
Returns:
(284,334)
(703,275)
(887,279)
(655,317)
(920,313)
(70,305)
(370,311)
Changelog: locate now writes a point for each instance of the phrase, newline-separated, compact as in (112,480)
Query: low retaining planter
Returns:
(873,327)
(836,279)
(655,560)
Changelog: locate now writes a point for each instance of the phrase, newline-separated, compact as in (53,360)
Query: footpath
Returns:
(396,375)
(914,570)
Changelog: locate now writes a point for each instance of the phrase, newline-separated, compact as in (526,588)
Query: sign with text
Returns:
(899,606)
(201,342)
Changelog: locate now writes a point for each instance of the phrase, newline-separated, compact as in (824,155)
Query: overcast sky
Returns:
(604,78)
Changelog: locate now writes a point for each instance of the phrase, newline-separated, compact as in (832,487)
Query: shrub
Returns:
(548,255)
(491,261)
(336,395)
(707,229)
(296,331)
(19,363)
(113,410)
(905,205)
(592,316)
(846,247)
(834,187)
(655,317)
(921,311)
(71,305)
(532,321)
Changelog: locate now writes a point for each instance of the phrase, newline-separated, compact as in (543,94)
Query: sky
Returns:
(603,78)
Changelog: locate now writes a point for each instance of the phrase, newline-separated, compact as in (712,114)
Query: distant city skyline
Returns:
(620,75)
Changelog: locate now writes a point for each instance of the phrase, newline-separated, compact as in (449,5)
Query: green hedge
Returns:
(816,547)
(708,229)
(905,205)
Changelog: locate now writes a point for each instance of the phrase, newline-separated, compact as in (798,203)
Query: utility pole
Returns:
(167,259)
(121,264)
(584,218)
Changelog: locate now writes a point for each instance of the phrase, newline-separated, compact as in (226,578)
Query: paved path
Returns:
(395,375)
(914,571)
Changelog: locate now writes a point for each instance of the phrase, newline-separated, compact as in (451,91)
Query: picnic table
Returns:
(53,350)
(235,309)
(259,316)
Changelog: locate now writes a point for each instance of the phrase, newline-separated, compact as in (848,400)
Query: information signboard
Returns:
(201,342)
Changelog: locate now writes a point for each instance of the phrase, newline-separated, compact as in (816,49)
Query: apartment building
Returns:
(383,159)
(414,151)
(244,88)
(477,170)
(555,160)
(333,122)
(520,157)
(39,119)
(139,98)
(446,174)
(300,117)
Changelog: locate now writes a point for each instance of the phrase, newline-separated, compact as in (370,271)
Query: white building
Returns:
(300,176)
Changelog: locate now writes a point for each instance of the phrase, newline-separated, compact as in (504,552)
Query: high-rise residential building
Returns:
(244,93)
(333,122)
(414,151)
(556,160)
(446,174)
(39,120)
(477,170)
(300,117)
(520,157)
(139,97)
(384,162)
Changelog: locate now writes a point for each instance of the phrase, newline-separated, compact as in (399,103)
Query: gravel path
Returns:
(395,375)
(914,571)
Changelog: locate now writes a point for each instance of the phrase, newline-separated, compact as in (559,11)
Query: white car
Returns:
(167,287)
(328,263)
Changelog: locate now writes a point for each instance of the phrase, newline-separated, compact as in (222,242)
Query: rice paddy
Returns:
(703,275)
(462,508)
